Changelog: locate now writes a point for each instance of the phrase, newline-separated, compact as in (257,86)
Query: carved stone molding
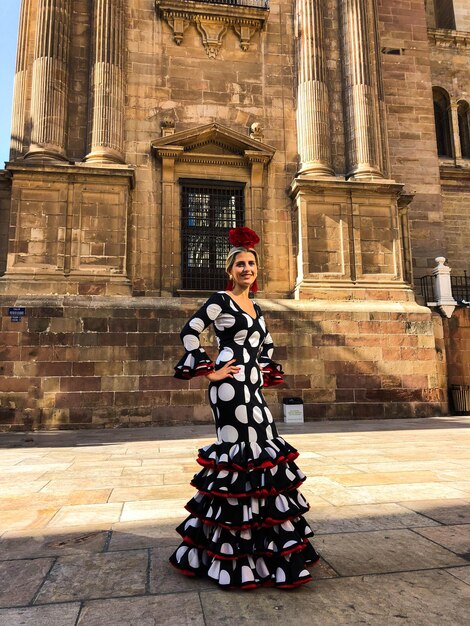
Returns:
(212,21)
(443,38)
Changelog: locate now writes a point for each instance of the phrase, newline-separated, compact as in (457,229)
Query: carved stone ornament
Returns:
(213,144)
(212,21)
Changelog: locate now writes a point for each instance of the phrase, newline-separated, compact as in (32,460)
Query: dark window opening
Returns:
(463,113)
(393,51)
(208,211)
(444,14)
(442,122)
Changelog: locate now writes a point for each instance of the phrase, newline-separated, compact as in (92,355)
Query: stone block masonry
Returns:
(76,362)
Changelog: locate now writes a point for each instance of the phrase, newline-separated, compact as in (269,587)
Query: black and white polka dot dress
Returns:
(245,526)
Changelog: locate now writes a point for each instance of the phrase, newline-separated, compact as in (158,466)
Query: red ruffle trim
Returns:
(186,373)
(272,375)
(224,557)
(268,522)
(234,467)
(268,583)
(261,493)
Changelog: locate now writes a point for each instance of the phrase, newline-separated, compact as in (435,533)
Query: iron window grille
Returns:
(209,209)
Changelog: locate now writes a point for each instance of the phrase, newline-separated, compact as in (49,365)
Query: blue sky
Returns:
(9,12)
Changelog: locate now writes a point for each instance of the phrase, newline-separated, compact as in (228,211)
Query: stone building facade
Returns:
(143,130)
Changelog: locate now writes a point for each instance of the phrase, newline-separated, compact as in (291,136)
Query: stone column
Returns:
(107,83)
(19,85)
(49,83)
(361,100)
(454,119)
(313,127)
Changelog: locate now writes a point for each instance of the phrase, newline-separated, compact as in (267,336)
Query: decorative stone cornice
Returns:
(443,38)
(212,21)
(452,172)
(213,144)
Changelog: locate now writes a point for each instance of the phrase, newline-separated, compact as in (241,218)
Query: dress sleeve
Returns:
(195,361)
(272,371)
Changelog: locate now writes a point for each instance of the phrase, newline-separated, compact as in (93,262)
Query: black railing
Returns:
(427,288)
(460,288)
(258,4)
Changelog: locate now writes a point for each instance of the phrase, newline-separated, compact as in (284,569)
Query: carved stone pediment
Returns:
(213,143)
(213,19)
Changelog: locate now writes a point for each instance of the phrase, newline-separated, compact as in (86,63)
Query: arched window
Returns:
(442,121)
(463,113)
(444,14)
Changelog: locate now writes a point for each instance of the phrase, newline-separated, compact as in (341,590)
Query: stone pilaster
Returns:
(107,83)
(361,100)
(313,130)
(50,80)
(19,85)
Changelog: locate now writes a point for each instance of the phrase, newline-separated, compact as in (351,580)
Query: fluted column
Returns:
(363,134)
(107,83)
(313,130)
(19,84)
(50,80)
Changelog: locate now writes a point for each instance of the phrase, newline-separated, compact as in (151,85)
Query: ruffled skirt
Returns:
(245,527)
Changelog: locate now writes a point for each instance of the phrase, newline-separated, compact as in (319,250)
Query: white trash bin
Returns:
(293,410)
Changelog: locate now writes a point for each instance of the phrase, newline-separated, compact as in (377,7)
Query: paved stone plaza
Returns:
(87,524)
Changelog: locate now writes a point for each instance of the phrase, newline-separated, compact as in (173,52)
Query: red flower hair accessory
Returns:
(243,237)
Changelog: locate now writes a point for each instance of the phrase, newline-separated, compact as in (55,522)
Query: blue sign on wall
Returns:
(16,313)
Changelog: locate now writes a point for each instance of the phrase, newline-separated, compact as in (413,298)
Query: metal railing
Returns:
(460,288)
(427,289)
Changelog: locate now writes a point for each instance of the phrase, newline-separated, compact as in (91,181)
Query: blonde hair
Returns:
(230,260)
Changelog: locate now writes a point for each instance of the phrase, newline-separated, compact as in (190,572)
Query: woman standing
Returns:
(245,526)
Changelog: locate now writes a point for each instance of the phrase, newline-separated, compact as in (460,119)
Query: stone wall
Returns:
(96,362)
(456,203)
(410,122)
(5,201)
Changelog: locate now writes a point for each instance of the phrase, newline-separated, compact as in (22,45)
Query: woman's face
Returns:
(244,270)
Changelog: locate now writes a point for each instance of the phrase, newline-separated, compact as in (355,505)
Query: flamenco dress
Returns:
(245,527)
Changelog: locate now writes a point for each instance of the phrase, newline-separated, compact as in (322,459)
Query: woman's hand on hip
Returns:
(227,371)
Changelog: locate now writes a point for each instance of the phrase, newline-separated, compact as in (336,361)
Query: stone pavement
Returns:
(87,524)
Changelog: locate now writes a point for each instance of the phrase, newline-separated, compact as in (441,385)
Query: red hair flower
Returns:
(243,237)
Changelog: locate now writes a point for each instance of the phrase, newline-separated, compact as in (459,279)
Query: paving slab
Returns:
(21,519)
(152,493)
(346,519)
(139,535)
(390,493)
(83,577)
(20,580)
(452,511)
(45,500)
(57,615)
(153,509)
(410,599)
(462,573)
(182,609)
(40,543)
(383,551)
(83,514)
(455,538)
